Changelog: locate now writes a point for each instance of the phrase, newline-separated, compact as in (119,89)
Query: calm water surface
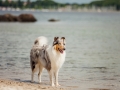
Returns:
(93,48)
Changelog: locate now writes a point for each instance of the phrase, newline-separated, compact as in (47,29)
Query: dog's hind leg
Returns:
(34,69)
(32,76)
(40,73)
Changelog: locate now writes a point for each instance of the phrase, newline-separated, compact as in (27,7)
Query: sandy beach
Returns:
(17,85)
(6,84)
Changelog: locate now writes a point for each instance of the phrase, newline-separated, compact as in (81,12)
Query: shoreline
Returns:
(7,84)
(30,10)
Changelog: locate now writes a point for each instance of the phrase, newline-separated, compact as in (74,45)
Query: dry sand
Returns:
(16,85)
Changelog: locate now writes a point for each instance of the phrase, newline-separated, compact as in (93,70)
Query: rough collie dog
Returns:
(49,57)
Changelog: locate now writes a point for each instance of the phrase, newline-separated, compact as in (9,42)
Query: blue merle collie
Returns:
(49,57)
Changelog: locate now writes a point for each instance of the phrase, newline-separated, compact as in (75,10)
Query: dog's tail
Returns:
(41,41)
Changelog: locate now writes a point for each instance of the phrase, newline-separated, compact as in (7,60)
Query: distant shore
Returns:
(61,10)
(17,85)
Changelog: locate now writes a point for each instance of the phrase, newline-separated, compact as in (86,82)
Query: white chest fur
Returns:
(57,59)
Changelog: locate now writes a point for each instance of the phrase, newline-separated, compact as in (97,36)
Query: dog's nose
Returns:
(64,49)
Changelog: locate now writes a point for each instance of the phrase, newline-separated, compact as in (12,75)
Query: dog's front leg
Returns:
(51,78)
(56,78)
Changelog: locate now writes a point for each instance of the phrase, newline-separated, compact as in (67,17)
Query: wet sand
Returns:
(6,84)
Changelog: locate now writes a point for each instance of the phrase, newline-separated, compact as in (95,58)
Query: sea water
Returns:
(92,46)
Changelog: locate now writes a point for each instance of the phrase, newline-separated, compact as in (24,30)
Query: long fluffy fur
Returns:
(51,58)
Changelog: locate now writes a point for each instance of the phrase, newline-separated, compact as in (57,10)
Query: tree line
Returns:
(38,4)
(47,4)
(104,3)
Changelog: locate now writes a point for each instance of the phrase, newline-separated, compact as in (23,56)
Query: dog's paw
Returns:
(32,81)
(39,82)
(53,85)
(57,85)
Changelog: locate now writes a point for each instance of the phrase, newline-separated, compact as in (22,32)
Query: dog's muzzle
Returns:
(64,49)
(61,50)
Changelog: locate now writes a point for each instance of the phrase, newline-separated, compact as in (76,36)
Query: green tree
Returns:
(19,3)
(28,3)
(6,3)
(1,3)
(106,3)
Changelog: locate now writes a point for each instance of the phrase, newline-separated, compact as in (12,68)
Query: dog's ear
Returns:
(36,41)
(55,38)
(63,38)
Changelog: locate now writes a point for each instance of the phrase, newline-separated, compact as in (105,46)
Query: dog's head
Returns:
(59,44)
